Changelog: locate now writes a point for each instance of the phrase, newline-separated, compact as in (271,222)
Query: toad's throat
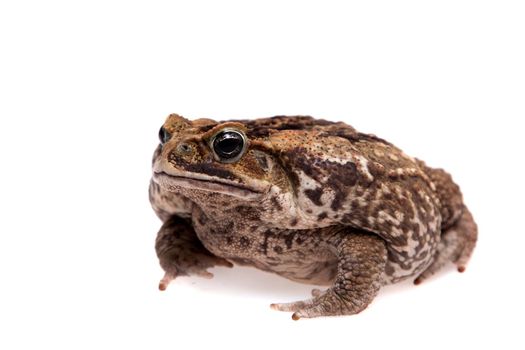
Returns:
(174,183)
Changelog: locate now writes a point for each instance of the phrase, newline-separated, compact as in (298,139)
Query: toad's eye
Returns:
(228,145)
(164,135)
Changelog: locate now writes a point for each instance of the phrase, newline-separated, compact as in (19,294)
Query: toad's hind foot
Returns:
(326,303)
(362,260)
(457,244)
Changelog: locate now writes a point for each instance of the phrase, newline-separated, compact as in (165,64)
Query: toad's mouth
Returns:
(173,183)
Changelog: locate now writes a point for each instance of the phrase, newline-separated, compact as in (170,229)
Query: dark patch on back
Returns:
(264,245)
(247,212)
(340,176)
(297,159)
(388,196)
(339,193)
(244,242)
(421,256)
(278,249)
(300,239)
(288,239)
(400,240)
(345,174)
(276,204)
(314,195)
(393,256)
(354,205)
(322,216)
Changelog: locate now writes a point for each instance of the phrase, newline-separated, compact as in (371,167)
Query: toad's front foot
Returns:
(182,254)
(362,260)
(192,265)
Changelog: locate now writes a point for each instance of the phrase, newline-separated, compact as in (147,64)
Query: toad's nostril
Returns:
(183,148)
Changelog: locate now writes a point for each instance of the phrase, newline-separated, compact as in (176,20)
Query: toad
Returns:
(311,200)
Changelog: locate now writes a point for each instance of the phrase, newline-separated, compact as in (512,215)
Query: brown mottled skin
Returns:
(311,200)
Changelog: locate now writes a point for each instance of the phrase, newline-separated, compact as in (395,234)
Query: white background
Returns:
(85,87)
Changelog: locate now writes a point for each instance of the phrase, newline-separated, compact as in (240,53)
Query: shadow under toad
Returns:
(251,282)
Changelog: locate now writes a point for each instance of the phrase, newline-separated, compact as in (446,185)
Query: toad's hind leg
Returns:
(457,244)
(361,263)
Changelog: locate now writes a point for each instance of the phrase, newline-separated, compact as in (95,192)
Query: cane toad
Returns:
(311,200)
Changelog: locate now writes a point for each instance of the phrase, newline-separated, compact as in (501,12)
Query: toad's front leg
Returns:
(181,253)
(361,262)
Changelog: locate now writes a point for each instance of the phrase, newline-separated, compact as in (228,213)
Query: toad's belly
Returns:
(300,255)
(319,272)
(313,272)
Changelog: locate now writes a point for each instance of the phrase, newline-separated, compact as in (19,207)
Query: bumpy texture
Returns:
(311,200)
